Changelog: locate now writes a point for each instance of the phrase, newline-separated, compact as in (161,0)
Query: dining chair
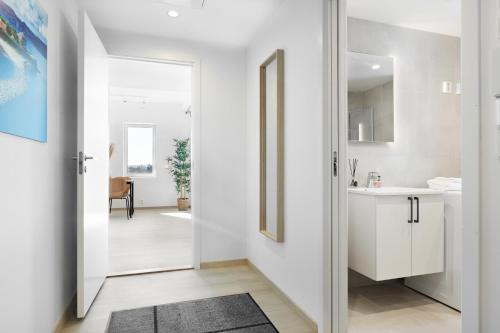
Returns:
(119,189)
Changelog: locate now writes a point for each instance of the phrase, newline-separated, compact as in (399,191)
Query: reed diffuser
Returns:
(353,166)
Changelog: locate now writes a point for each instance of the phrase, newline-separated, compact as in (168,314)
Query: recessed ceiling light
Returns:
(376,67)
(173,13)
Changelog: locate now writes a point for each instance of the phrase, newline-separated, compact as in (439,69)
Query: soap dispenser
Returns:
(373,176)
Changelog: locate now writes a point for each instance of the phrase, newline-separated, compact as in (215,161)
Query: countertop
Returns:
(394,191)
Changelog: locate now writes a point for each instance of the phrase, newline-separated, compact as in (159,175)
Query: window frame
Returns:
(126,127)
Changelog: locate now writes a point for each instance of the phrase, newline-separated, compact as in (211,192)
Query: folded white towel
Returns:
(445,184)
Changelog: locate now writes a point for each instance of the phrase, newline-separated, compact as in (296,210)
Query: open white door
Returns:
(93,161)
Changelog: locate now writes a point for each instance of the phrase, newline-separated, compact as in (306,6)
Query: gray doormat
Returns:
(231,314)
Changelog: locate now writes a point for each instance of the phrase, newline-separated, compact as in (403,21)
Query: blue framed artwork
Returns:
(23,69)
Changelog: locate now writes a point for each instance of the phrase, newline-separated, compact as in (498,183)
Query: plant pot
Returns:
(183,204)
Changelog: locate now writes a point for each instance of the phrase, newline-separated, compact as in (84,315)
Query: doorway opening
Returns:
(402,109)
(150,117)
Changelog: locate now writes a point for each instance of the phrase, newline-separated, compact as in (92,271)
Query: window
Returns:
(140,150)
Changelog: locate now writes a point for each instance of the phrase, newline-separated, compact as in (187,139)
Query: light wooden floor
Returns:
(130,292)
(153,238)
(387,308)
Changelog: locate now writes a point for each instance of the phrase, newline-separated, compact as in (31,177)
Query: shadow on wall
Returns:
(68,127)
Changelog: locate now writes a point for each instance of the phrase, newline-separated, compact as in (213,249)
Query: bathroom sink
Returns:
(393,191)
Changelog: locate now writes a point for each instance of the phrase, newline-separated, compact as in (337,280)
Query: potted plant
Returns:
(180,169)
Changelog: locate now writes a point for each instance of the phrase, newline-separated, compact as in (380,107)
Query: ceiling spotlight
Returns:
(376,67)
(173,13)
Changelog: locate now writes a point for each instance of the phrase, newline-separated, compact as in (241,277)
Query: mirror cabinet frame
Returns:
(277,56)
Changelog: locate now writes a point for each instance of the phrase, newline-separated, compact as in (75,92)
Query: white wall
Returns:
(38,196)
(426,121)
(490,177)
(171,122)
(296,265)
(222,161)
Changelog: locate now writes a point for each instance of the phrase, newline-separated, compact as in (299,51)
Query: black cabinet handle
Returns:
(411,210)
(417,199)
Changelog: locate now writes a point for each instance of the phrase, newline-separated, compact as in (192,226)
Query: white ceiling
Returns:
(225,22)
(138,81)
(149,75)
(439,16)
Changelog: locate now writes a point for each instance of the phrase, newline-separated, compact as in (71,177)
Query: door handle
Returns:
(335,164)
(410,199)
(417,199)
(81,158)
(75,158)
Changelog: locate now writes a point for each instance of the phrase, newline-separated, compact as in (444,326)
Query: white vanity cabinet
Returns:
(396,232)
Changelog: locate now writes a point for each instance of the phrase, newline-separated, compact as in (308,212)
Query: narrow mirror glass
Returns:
(370,98)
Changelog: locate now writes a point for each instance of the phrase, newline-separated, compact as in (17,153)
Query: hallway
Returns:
(120,293)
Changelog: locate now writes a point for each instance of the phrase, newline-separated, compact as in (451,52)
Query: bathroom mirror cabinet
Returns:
(370,98)
(271,146)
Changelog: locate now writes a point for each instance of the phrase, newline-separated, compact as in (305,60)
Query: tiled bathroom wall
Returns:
(426,120)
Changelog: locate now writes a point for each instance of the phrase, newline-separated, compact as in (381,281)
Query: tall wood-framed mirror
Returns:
(272,105)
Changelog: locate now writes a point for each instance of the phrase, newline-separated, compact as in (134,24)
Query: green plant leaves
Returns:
(180,165)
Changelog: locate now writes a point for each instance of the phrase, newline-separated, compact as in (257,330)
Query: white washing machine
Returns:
(446,287)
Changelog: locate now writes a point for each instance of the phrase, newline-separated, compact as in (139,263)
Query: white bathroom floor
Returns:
(152,239)
(395,308)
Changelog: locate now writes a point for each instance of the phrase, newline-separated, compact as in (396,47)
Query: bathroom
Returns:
(404,125)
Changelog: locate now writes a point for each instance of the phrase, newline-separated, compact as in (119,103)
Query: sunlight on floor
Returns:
(151,239)
(180,215)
